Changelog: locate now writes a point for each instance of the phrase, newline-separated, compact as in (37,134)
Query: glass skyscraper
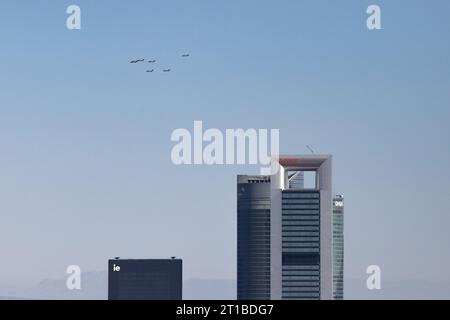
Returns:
(285,232)
(253,251)
(301,244)
(338,247)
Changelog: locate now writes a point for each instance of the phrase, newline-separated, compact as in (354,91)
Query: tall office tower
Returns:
(338,247)
(297,180)
(253,210)
(296,234)
(156,279)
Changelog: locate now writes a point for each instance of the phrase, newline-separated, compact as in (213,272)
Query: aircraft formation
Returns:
(167,70)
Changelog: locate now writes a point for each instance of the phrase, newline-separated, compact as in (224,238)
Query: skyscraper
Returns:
(297,180)
(285,252)
(338,247)
(253,251)
(156,279)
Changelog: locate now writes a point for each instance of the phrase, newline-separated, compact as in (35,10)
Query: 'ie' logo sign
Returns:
(116,268)
(73,21)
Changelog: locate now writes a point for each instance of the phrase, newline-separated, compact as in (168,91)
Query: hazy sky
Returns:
(85,169)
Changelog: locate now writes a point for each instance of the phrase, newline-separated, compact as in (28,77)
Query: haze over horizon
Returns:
(85,164)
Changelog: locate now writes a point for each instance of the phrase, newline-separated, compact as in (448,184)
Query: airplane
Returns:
(166,70)
(185,55)
(150,70)
(151,61)
(136,61)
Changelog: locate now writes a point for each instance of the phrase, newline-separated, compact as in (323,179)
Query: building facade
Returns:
(338,247)
(253,237)
(300,244)
(154,279)
(285,231)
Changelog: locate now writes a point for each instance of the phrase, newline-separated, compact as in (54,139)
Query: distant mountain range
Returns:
(95,287)
(398,290)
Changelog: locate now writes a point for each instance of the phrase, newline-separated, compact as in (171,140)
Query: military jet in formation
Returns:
(138,60)
(184,55)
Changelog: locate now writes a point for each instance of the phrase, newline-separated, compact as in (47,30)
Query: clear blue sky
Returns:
(85,170)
